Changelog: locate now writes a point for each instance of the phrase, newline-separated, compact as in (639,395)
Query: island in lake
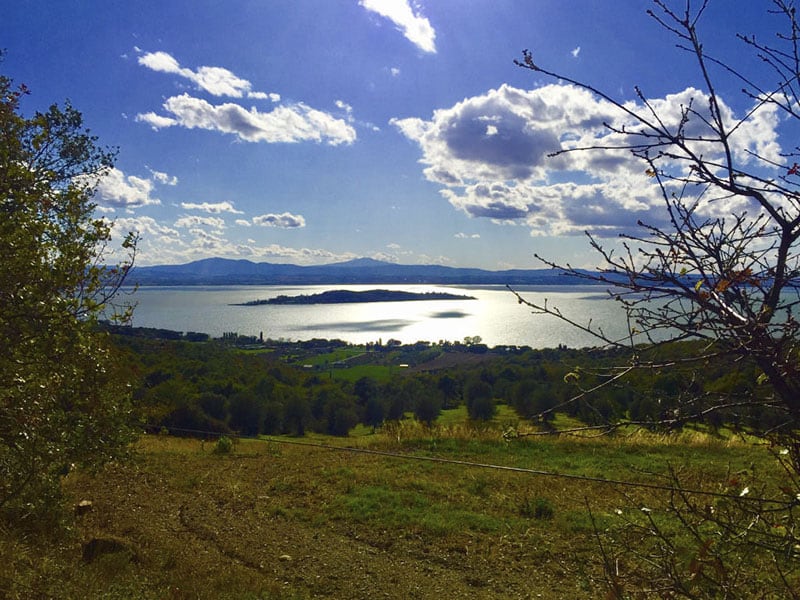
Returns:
(349,296)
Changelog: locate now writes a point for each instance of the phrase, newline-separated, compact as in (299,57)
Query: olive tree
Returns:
(718,264)
(63,400)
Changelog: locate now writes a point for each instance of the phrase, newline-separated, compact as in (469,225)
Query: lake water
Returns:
(495,315)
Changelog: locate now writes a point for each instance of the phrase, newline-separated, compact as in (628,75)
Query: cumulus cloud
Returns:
(298,255)
(163,178)
(156,121)
(155,239)
(194,238)
(146,226)
(213,208)
(194,221)
(283,221)
(208,242)
(465,236)
(272,96)
(492,155)
(217,81)
(416,28)
(117,190)
(293,123)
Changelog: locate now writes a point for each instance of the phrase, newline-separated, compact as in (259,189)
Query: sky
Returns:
(318,131)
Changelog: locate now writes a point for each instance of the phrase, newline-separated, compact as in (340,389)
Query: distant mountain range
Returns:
(222,271)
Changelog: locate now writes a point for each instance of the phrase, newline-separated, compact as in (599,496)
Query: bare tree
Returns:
(724,265)
(720,265)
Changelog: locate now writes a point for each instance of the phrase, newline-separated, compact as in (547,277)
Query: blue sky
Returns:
(316,131)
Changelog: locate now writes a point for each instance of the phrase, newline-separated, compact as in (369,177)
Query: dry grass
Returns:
(283,520)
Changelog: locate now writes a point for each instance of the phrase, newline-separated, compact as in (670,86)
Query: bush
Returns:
(537,508)
(224,445)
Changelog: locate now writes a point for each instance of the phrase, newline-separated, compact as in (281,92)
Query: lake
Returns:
(495,315)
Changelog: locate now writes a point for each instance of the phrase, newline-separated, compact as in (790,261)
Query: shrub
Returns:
(224,445)
(537,508)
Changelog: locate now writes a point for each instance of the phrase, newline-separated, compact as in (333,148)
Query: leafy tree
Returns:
(63,393)
(365,388)
(533,399)
(340,414)
(719,264)
(450,390)
(246,413)
(427,408)
(297,411)
(214,405)
(480,400)
(374,412)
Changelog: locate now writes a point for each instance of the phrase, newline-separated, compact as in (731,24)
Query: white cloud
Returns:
(284,221)
(207,242)
(341,105)
(243,223)
(217,81)
(416,28)
(294,123)
(117,190)
(145,226)
(298,255)
(194,221)
(152,234)
(163,62)
(215,208)
(290,123)
(272,96)
(192,240)
(575,52)
(491,155)
(156,121)
(465,236)
(163,178)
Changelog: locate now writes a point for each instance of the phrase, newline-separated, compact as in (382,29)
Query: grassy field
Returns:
(345,518)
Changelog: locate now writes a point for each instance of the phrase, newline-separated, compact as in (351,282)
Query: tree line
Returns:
(213,387)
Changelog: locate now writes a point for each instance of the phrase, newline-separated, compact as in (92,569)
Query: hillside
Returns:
(281,519)
(220,271)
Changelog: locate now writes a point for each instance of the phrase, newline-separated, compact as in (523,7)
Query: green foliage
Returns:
(427,408)
(480,400)
(63,394)
(537,508)
(224,445)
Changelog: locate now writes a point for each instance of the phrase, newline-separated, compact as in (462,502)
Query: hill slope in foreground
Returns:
(291,520)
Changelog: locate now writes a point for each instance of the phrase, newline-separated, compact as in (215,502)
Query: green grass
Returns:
(377,372)
(209,525)
(329,358)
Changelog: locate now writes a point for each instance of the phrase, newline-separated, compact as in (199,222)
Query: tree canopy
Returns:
(62,398)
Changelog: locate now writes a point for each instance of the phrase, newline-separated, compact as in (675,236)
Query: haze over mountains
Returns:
(221,271)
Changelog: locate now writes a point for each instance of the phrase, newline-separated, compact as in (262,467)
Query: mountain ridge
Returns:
(224,271)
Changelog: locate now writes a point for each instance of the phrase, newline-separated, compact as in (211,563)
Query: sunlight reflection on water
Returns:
(495,315)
